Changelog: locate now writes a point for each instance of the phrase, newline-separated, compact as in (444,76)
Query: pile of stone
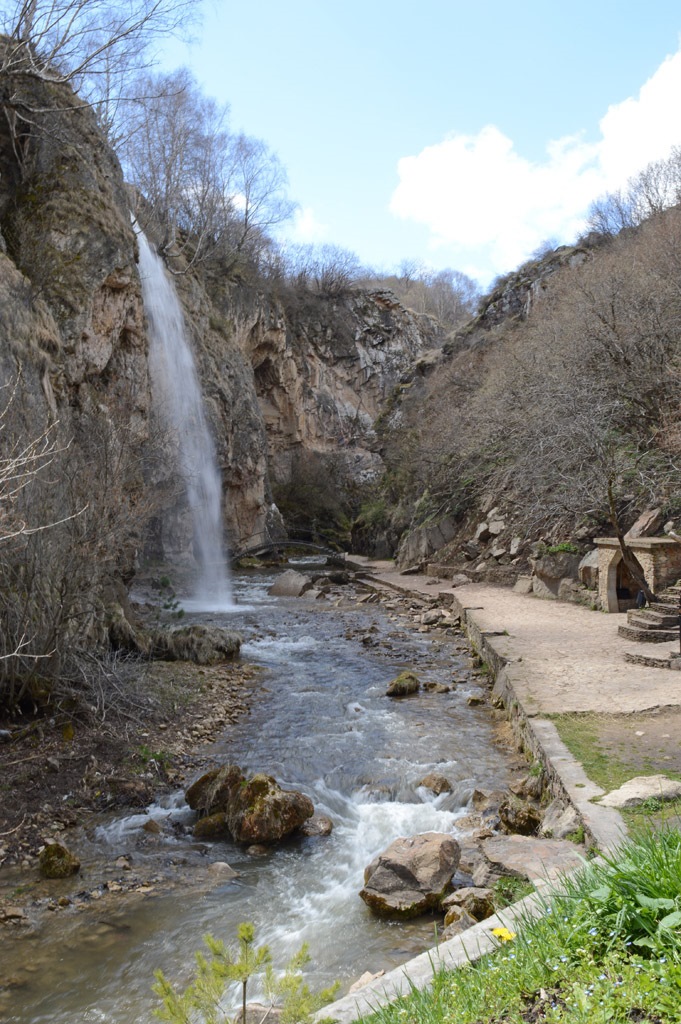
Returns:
(506,835)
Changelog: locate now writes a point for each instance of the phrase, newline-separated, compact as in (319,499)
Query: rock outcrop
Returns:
(411,876)
(251,811)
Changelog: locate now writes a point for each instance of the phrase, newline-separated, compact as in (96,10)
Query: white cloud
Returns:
(491,207)
(306,227)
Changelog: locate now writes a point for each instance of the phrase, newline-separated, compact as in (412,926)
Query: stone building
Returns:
(660,559)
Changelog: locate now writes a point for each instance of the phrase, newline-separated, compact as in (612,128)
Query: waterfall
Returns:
(175,381)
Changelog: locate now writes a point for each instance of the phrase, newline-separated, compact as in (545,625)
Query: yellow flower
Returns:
(503,934)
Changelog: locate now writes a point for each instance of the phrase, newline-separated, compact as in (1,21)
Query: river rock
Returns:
(411,876)
(212,792)
(437,784)
(457,920)
(526,857)
(518,817)
(262,812)
(363,980)
(57,862)
(637,791)
(476,901)
(221,869)
(212,826)
(252,811)
(203,645)
(403,684)
(432,617)
(317,825)
(291,584)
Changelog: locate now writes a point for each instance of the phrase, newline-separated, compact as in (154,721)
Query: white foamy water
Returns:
(176,388)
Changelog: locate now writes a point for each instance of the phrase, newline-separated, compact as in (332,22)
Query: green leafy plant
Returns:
(201,999)
(565,547)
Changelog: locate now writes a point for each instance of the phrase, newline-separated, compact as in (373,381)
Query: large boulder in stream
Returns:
(255,810)
(411,876)
(291,584)
(204,645)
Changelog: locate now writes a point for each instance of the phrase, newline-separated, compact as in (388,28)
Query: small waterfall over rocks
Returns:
(176,383)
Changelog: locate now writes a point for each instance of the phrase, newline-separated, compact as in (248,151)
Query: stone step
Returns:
(650,619)
(649,636)
(672,661)
(664,608)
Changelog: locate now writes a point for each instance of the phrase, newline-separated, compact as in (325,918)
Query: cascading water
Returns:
(176,384)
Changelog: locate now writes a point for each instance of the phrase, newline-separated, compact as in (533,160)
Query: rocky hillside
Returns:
(549,419)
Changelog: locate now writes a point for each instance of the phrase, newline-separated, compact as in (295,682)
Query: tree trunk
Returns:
(630,560)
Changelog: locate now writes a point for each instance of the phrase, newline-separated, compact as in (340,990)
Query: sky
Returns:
(460,135)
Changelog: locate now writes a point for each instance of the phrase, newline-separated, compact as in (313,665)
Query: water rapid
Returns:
(176,389)
(319,722)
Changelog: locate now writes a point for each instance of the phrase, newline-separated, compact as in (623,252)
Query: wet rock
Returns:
(221,869)
(56,861)
(291,584)
(262,812)
(213,826)
(123,864)
(437,688)
(152,826)
(130,792)
(212,792)
(253,810)
(203,645)
(457,920)
(403,685)
(475,700)
(411,876)
(317,825)
(487,799)
(437,784)
(257,850)
(519,818)
(13,914)
(476,901)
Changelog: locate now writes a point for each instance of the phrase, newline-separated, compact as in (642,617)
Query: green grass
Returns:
(580,734)
(606,948)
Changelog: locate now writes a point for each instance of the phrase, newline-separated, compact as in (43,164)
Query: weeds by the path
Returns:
(606,950)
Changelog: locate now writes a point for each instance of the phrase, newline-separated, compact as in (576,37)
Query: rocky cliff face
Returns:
(283,377)
(323,378)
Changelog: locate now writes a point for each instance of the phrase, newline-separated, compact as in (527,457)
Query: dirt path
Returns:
(566,659)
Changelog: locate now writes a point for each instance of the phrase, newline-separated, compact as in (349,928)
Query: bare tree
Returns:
(92,45)
(214,195)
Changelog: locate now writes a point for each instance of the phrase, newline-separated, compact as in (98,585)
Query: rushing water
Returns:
(176,388)
(320,722)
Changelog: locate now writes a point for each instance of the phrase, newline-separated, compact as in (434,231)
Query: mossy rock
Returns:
(212,827)
(403,685)
(57,862)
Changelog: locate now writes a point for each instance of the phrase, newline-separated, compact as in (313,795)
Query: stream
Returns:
(319,722)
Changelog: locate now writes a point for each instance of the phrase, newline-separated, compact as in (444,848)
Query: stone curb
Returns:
(539,736)
(418,972)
